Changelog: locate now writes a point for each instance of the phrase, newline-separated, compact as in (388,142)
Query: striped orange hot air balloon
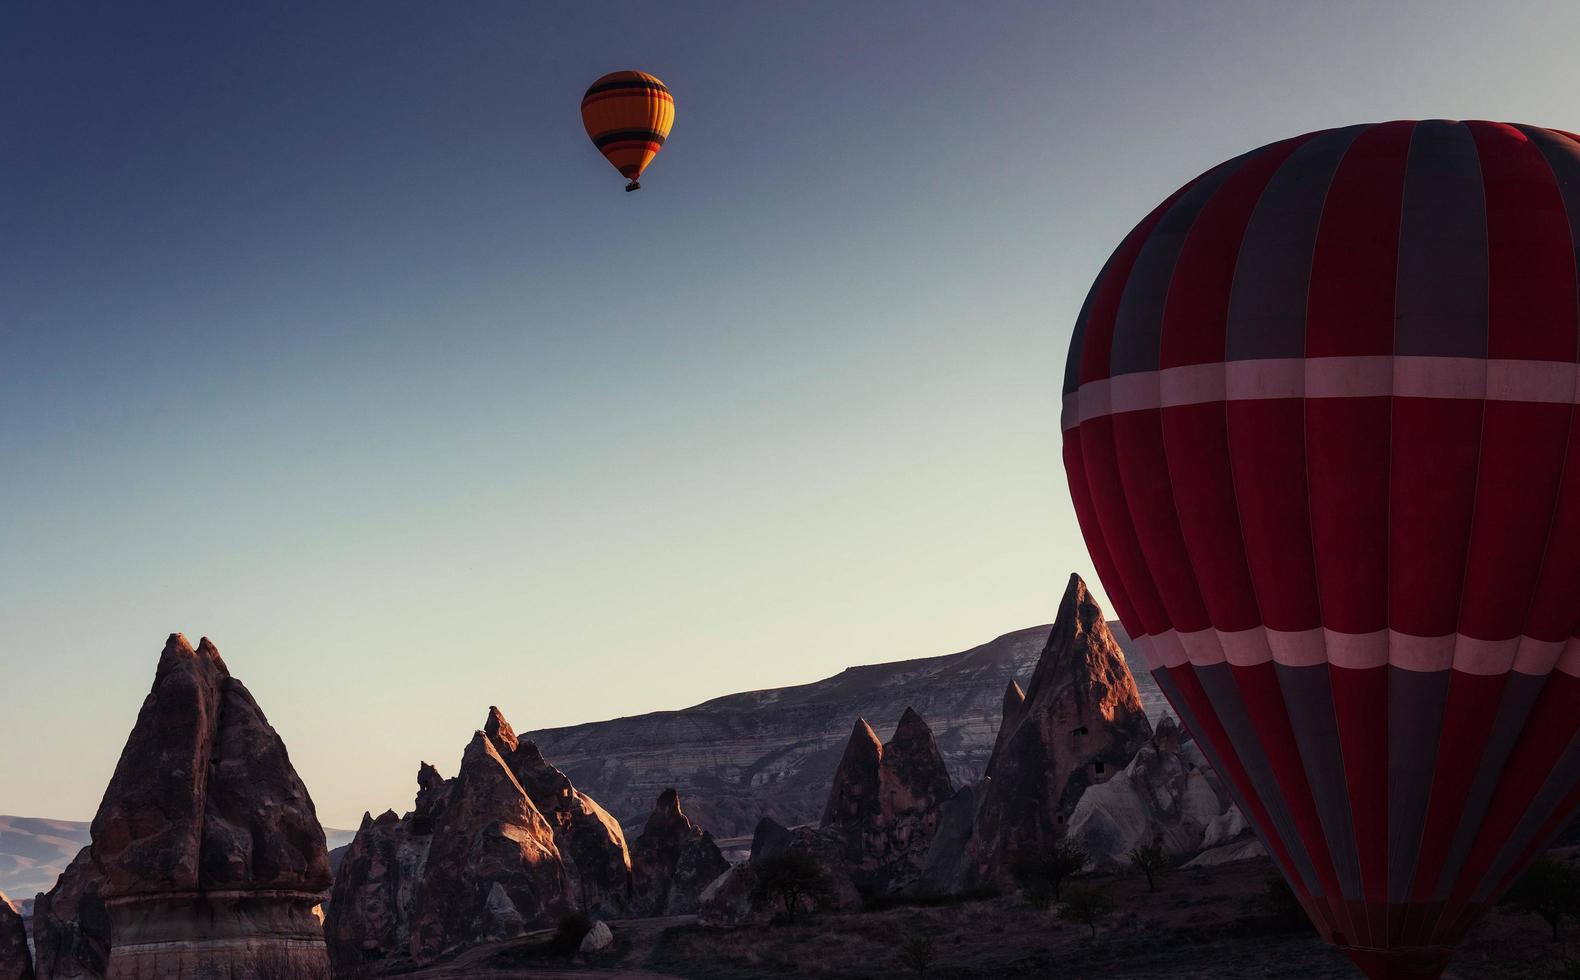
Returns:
(628,115)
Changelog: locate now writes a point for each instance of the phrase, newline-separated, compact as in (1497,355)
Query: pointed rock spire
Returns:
(853,800)
(1081,722)
(1014,707)
(499,731)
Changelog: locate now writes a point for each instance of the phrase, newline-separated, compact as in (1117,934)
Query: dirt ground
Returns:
(1202,924)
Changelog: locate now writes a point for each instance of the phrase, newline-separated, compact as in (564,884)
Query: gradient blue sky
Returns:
(325,332)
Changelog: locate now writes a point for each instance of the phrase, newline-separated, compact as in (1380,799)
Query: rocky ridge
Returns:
(737,758)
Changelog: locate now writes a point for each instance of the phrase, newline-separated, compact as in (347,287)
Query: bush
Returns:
(1087,906)
(1050,867)
(573,928)
(791,879)
(1150,860)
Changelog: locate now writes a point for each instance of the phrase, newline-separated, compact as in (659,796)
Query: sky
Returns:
(326,333)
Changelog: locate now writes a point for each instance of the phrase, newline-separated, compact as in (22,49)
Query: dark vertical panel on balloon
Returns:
(1097,333)
(1267,318)
(1219,684)
(1269,717)
(1535,761)
(1100,456)
(1139,322)
(1442,294)
(1195,437)
(1072,360)
(1415,719)
(1548,814)
(1185,693)
(1469,713)
(1441,310)
(1350,313)
(1143,463)
(1531,316)
(1308,700)
(1267,310)
(1555,606)
(1520,692)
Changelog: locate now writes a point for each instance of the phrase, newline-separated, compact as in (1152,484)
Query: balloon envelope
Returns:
(628,115)
(1319,428)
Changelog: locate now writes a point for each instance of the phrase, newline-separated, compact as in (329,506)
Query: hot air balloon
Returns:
(628,114)
(1320,430)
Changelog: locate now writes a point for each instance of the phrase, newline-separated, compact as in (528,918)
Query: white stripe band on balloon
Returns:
(1307,648)
(1507,380)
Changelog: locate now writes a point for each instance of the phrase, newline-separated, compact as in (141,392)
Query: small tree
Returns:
(916,952)
(791,878)
(1087,905)
(1150,860)
(1050,867)
(1548,889)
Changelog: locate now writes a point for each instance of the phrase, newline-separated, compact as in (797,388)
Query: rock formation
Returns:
(16,963)
(368,924)
(507,846)
(740,757)
(493,869)
(1166,796)
(1082,721)
(207,852)
(590,841)
(885,804)
(672,861)
(71,927)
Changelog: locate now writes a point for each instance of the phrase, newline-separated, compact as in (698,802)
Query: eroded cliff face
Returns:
(738,758)
(207,853)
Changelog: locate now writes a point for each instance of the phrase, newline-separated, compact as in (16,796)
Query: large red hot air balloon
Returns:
(1320,429)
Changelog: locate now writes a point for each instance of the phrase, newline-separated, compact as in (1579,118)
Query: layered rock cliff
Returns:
(737,758)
